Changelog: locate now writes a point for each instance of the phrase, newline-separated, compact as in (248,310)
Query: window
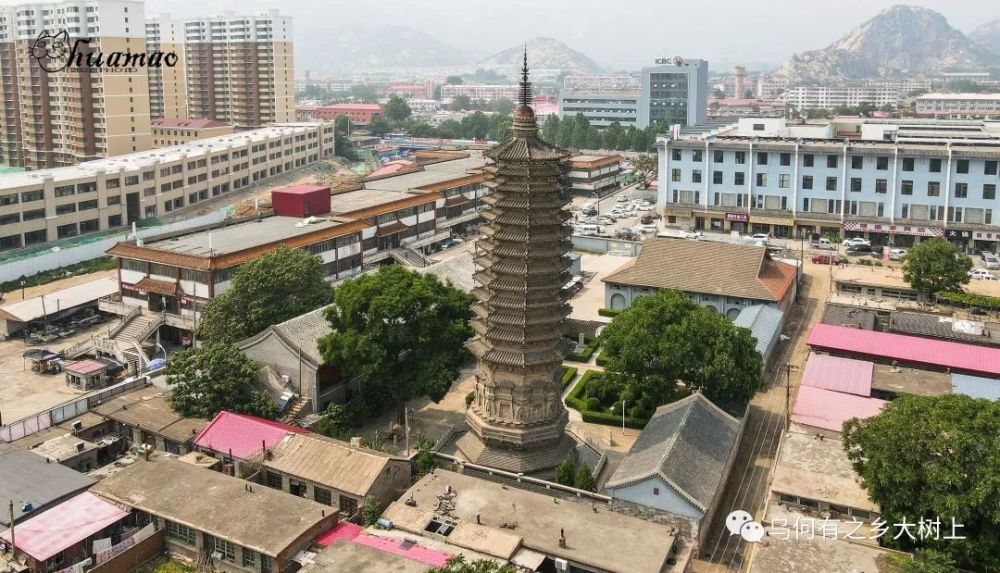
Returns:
(933,188)
(112,183)
(717,177)
(322,496)
(855,184)
(805,204)
(347,505)
(227,549)
(114,221)
(882,163)
(831,182)
(675,154)
(65,190)
(807,181)
(675,175)
(90,226)
(86,187)
(761,158)
(656,491)
(987,218)
(989,191)
(905,213)
(132,180)
(696,176)
(696,155)
(784,181)
(758,127)
(741,157)
(180,532)
(857,162)
(962,166)
(35,237)
(808,159)
(265,564)
(935,166)
(28,196)
(961,190)
(908,164)
(249,558)
(273,480)
(762,180)
(739,178)
(64,209)
(10,219)
(719,156)
(34,214)
(990,168)
(785,159)
(907,187)
(10,199)
(87,205)
(881,185)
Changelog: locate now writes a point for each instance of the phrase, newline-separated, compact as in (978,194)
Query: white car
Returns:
(856,241)
(760,236)
(982,274)
(622,199)
(897,254)
(990,261)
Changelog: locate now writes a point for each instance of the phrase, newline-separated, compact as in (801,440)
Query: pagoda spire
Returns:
(524,94)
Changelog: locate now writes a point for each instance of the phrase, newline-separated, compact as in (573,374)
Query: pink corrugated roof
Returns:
(416,552)
(829,410)
(908,349)
(64,525)
(343,530)
(838,374)
(243,435)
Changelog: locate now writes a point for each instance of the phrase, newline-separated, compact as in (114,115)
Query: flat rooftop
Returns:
(431,174)
(815,468)
(150,410)
(598,538)
(233,238)
(63,448)
(264,519)
(907,380)
(60,300)
(365,199)
(346,555)
(144,159)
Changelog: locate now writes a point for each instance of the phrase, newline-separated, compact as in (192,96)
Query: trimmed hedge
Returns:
(608,312)
(969,299)
(596,417)
(588,351)
(602,360)
(568,374)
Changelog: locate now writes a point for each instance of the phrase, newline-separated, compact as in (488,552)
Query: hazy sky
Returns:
(616,34)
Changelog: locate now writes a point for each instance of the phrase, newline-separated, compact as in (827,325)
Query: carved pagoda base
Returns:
(526,461)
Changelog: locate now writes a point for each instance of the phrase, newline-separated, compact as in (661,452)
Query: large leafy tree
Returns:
(645,167)
(271,289)
(667,337)
(215,377)
(458,564)
(402,331)
(935,457)
(936,265)
(396,109)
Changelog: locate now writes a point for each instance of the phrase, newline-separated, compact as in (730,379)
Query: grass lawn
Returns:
(165,565)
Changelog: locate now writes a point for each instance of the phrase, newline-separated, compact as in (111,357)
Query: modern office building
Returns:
(674,91)
(960,106)
(51,204)
(73,113)
(240,69)
(167,86)
(893,182)
(602,107)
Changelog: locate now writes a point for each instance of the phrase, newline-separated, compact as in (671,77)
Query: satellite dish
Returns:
(678,60)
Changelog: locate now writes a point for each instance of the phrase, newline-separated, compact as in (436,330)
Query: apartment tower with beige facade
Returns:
(61,118)
(240,69)
(167,85)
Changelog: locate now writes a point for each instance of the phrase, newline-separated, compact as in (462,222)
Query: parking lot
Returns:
(621,214)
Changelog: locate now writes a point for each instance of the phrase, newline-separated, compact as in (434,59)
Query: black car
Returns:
(877,251)
(859,249)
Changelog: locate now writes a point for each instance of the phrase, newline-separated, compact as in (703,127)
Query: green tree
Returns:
(924,561)
(423,460)
(936,265)
(934,457)
(342,124)
(436,93)
(461,102)
(400,330)
(334,422)
(550,130)
(500,129)
(215,377)
(457,564)
(454,81)
(594,140)
(476,125)
(396,109)
(645,166)
(504,106)
(363,92)
(566,472)
(371,510)
(566,129)
(613,136)
(268,290)
(379,126)
(583,478)
(667,337)
(582,125)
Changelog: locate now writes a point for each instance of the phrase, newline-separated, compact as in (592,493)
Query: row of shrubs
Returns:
(568,374)
(608,312)
(575,401)
(969,299)
(587,352)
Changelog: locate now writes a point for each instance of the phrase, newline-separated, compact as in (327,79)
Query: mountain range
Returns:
(988,36)
(900,39)
(543,53)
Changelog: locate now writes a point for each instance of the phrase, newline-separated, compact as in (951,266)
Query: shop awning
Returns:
(158,287)
(390,229)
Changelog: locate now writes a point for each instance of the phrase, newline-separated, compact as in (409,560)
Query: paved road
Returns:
(749,481)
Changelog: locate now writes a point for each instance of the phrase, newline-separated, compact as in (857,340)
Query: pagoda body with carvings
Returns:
(521,266)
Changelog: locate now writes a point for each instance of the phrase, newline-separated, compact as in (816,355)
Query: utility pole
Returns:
(406,428)
(788,394)
(13,544)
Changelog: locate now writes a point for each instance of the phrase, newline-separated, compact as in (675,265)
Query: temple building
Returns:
(517,419)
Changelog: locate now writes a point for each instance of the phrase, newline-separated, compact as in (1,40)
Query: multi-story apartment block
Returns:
(167,86)
(879,184)
(41,206)
(75,112)
(674,91)
(240,68)
(589,82)
(594,174)
(830,97)
(959,106)
(480,92)
(602,108)
(770,87)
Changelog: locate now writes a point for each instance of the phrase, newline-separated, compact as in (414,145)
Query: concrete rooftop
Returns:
(224,240)
(818,469)
(345,555)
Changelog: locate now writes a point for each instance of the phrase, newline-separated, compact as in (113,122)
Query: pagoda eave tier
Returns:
(526,149)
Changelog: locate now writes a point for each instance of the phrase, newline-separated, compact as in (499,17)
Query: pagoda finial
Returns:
(524,95)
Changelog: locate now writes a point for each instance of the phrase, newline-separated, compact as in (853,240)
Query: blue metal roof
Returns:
(976,386)
(764,322)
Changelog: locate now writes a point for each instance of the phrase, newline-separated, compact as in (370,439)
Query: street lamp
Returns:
(23,282)
(623,415)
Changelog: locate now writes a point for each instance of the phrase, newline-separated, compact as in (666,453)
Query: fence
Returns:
(58,414)
(60,257)
(606,245)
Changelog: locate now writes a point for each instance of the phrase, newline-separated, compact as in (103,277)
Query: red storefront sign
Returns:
(894,229)
(738,217)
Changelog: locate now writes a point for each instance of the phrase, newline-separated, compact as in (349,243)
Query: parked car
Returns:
(859,249)
(990,260)
(897,254)
(982,274)
(877,251)
(825,259)
(622,199)
(647,220)
(856,241)
(823,243)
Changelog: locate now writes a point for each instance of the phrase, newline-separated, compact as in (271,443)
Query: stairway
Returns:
(294,409)
(134,328)
(409,257)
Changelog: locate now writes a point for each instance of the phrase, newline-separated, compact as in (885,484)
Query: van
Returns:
(824,243)
(587,229)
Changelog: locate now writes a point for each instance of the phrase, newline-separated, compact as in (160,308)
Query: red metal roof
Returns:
(838,374)
(243,435)
(908,349)
(343,530)
(85,366)
(829,410)
(64,525)
(399,547)
(351,107)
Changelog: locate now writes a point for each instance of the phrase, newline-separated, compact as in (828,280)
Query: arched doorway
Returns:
(617,301)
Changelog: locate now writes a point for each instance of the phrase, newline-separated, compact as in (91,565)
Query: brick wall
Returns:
(145,550)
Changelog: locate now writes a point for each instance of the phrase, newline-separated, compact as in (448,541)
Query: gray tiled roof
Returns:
(25,476)
(932,326)
(839,315)
(300,333)
(688,445)
(764,323)
(457,270)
